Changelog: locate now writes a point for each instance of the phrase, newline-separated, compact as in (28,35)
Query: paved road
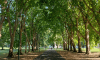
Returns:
(49,55)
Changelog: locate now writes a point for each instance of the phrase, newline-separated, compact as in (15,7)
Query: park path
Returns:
(56,55)
(49,55)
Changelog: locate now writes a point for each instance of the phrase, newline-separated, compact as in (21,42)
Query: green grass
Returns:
(4,53)
(92,50)
(59,49)
(6,50)
(83,49)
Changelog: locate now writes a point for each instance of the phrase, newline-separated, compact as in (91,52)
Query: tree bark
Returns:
(74,48)
(87,37)
(63,45)
(20,41)
(33,37)
(26,47)
(57,46)
(11,47)
(21,29)
(33,42)
(29,46)
(37,45)
(2,48)
(66,35)
(66,46)
(26,41)
(79,43)
(32,48)
(12,34)
(63,41)
(68,43)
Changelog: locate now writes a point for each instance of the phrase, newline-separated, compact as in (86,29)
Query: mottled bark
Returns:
(26,40)
(65,46)
(57,46)
(32,48)
(79,43)
(2,48)
(28,46)
(21,29)
(63,41)
(87,38)
(33,37)
(68,43)
(74,48)
(20,41)
(33,42)
(12,35)
(10,54)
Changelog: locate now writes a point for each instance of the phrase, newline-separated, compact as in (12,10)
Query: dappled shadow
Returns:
(69,55)
(27,56)
(50,55)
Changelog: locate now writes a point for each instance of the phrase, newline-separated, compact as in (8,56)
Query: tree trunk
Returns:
(79,43)
(33,43)
(74,48)
(63,45)
(26,47)
(32,48)
(2,48)
(0,29)
(27,40)
(57,46)
(37,45)
(87,38)
(66,46)
(29,46)
(63,41)
(20,41)
(11,47)
(12,34)
(68,43)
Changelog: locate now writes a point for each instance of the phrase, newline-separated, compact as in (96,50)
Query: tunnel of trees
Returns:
(33,22)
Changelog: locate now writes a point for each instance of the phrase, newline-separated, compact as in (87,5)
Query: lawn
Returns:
(83,49)
(4,53)
(61,49)
(92,50)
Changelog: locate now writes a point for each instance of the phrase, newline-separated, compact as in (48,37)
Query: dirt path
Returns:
(56,55)
(49,55)
(69,55)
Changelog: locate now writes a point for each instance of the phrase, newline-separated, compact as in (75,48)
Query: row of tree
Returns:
(28,21)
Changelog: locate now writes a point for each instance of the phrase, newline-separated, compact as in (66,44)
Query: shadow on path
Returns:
(50,55)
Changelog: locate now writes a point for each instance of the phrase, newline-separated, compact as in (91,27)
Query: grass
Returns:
(83,49)
(59,49)
(6,50)
(4,53)
(92,50)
